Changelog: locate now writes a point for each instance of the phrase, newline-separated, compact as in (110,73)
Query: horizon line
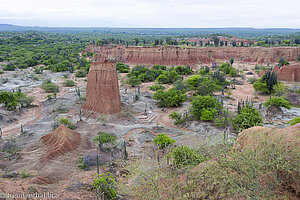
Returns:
(136,27)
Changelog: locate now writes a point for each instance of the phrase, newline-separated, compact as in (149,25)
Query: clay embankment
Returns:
(169,55)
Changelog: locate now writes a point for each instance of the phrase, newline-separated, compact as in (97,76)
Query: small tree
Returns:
(103,138)
(163,141)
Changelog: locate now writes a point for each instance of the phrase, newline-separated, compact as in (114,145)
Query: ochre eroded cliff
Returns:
(102,93)
(169,55)
(289,73)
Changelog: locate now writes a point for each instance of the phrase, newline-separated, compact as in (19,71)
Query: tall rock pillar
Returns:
(102,92)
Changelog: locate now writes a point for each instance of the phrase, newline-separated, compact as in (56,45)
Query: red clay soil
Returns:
(289,73)
(60,141)
(169,55)
(102,93)
(41,180)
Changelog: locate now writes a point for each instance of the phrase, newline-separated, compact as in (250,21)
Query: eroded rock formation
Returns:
(169,55)
(289,73)
(102,93)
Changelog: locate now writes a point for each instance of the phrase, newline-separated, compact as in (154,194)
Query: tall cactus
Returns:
(271,80)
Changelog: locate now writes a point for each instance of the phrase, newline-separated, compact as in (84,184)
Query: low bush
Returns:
(205,107)
(247,118)
(66,122)
(170,98)
(48,86)
(178,117)
(80,73)
(163,141)
(156,87)
(69,83)
(294,121)
(105,186)
(185,156)
(123,68)
(278,102)
(104,138)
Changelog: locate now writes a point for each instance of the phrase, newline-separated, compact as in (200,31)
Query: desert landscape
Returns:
(148,113)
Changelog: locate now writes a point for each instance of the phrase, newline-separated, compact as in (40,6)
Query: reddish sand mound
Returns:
(42,180)
(60,141)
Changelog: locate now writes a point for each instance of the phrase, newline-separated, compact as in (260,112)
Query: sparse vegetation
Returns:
(50,87)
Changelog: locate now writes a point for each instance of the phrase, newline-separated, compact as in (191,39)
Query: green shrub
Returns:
(1,72)
(182,70)
(103,138)
(9,100)
(69,83)
(170,98)
(9,67)
(81,73)
(278,102)
(26,101)
(178,117)
(105,186)
(168,77)
(294,121)
(123,68)
(24,174)
(133,81)
(156,87)
(203,85)
(205,107)
(233,72)
(81,164)
(266,83)
(48,86)
(221,122)
(66,122)
(247,118)
(185,156)
(163,141)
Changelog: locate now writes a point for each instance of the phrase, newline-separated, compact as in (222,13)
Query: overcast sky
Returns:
(152,13)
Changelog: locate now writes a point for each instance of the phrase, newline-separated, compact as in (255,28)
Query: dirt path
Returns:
(31,116)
